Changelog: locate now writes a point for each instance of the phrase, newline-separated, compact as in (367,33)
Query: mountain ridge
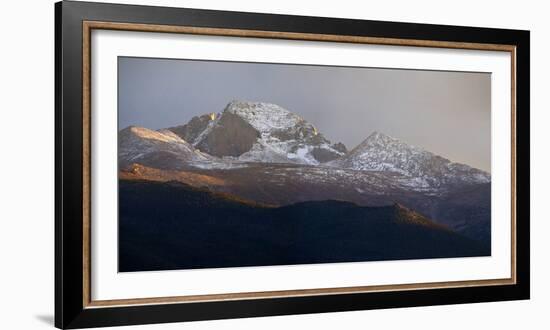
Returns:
(381,152)
(379,171)
(258,132)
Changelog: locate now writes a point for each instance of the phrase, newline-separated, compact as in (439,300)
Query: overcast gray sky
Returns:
(448,113)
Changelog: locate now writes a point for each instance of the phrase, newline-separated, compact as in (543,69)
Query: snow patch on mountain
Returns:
(211,124)
(164,149)
(136,142)
(265,117)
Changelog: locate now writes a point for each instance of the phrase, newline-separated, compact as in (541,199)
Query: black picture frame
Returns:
(70,309)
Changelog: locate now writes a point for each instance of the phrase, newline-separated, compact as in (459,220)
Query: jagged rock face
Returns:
(190,131)
(380,152)
(230,136)
(160,149)
(340,147)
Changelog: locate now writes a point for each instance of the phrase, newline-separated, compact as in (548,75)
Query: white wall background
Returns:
(27,168)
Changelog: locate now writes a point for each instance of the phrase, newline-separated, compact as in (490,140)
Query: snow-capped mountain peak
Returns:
(380,138)
(259,132)
(386,145)
(380,152)
(264,117)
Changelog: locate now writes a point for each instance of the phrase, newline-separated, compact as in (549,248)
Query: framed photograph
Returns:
(215,164)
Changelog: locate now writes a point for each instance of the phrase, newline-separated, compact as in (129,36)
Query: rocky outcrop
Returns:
(230,136)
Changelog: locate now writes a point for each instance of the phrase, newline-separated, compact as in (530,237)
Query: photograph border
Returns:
(73,139)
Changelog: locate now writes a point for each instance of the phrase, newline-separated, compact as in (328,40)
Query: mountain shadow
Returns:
(165,226)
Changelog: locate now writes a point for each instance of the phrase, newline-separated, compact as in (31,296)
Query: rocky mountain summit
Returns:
(259,132)
(380,152)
